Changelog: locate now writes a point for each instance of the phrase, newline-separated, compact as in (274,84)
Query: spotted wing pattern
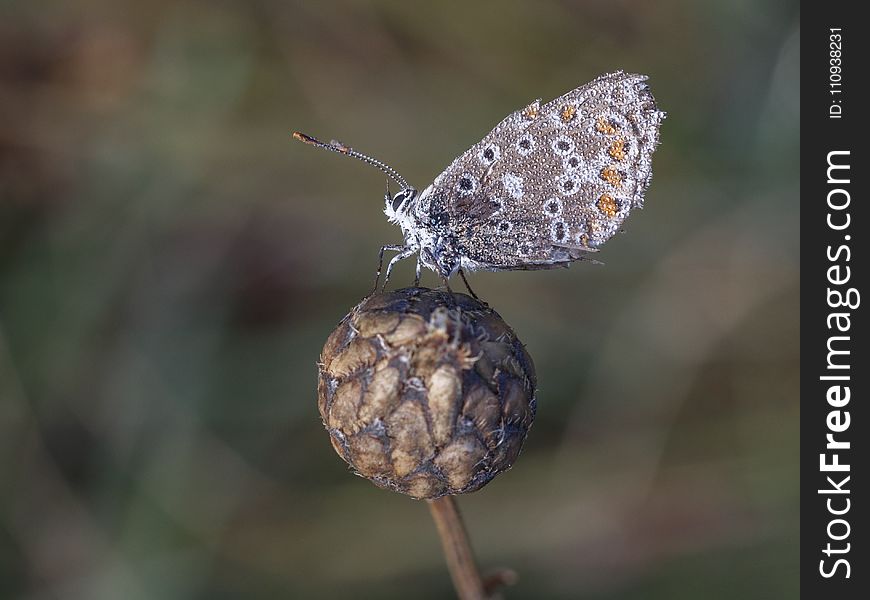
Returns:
(550,182)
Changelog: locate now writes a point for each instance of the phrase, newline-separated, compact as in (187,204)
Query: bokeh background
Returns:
(171,263)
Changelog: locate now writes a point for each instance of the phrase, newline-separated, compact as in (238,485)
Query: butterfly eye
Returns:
(402,196)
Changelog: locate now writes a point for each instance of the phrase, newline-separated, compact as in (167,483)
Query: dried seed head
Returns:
(426,392)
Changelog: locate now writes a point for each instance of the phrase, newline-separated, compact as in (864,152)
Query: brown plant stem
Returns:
(457,549)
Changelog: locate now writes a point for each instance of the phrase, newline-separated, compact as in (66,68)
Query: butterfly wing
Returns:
(550,182)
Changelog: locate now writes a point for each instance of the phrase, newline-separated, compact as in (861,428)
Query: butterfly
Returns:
(547,186)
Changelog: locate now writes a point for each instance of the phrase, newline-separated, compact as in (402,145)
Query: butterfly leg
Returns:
(468,287)
(417,273)
(391,248)
(405,252)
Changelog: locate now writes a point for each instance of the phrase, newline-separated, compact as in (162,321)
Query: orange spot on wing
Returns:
(531,111)
(607,205)
(604,126)
(611,176)
(617,149)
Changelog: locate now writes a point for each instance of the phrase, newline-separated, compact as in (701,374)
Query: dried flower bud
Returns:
(426,392)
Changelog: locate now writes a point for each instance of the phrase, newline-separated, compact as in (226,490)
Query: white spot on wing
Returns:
(563,145)
(572,162)
(525,145)
(513,185)
(552,208)
(466,184)
(568,184)
(559,231)
(489,154)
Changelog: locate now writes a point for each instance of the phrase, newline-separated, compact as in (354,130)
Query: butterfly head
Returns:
(397,207)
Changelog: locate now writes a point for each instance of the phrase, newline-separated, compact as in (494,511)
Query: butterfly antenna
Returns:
(337,146)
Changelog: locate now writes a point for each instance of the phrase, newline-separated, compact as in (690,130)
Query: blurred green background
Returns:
(171,263)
